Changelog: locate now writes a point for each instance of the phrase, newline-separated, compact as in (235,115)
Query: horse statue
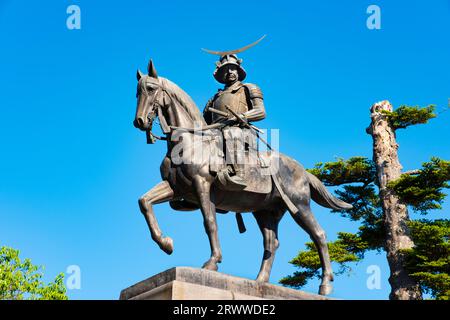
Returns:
(191,183)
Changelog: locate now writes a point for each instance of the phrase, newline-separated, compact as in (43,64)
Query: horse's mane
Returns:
(183,99)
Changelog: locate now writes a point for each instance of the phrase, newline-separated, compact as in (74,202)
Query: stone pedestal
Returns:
(183,283)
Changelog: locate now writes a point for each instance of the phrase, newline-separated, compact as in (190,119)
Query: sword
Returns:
(248,125)
(227,115)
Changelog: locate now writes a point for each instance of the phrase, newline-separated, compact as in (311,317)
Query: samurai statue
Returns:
(245,100)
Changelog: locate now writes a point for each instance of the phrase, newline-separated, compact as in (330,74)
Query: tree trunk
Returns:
(395,214)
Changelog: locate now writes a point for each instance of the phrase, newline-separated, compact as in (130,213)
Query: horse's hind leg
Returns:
(268,224)
(162,192)
(305,219)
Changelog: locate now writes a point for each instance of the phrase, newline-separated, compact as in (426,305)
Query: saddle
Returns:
(256,171)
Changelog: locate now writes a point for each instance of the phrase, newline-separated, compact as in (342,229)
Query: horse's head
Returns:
(150,97)
(159,97)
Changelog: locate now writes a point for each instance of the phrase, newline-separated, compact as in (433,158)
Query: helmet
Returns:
(227,60)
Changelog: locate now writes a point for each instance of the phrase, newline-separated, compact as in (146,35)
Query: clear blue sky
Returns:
(72,165)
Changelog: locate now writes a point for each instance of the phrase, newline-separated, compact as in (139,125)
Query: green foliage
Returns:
(423,191)
(21,280)
(348,248)
(429,260)
(405,116)
(355,169)
(363,198)
(359,175)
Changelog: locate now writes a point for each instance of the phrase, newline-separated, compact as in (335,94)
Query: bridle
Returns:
(156,111)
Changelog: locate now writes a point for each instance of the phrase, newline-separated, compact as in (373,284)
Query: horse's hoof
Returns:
(210,266)
(325,289)
(167,245)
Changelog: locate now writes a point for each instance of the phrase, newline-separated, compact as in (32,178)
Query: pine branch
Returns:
(422,190)
(348,248)
(429,260)
(406,116)
(355,169)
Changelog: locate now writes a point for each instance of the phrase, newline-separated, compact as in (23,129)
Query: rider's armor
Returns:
(245,99)
(242,98)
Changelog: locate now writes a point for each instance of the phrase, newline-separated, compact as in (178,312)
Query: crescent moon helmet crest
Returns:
(230,58)
(235,51)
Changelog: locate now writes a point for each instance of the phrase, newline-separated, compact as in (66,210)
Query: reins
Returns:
(168,129)
(151,137)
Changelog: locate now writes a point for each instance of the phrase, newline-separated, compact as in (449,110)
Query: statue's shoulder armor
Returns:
(253,90)
(216,95)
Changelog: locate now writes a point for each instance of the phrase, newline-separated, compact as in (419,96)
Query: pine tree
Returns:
(417,251)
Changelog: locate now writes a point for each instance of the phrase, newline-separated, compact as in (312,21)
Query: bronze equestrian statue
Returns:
(197,182)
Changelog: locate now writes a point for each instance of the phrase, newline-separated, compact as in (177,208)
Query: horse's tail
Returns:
(321,195)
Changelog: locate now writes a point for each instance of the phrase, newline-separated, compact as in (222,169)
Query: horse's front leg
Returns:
(202,188)
(162,192)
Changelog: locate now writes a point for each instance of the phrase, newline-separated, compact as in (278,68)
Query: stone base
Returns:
(183,283)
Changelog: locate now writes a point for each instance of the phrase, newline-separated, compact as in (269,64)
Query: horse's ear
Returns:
(151,70)
(139,75)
